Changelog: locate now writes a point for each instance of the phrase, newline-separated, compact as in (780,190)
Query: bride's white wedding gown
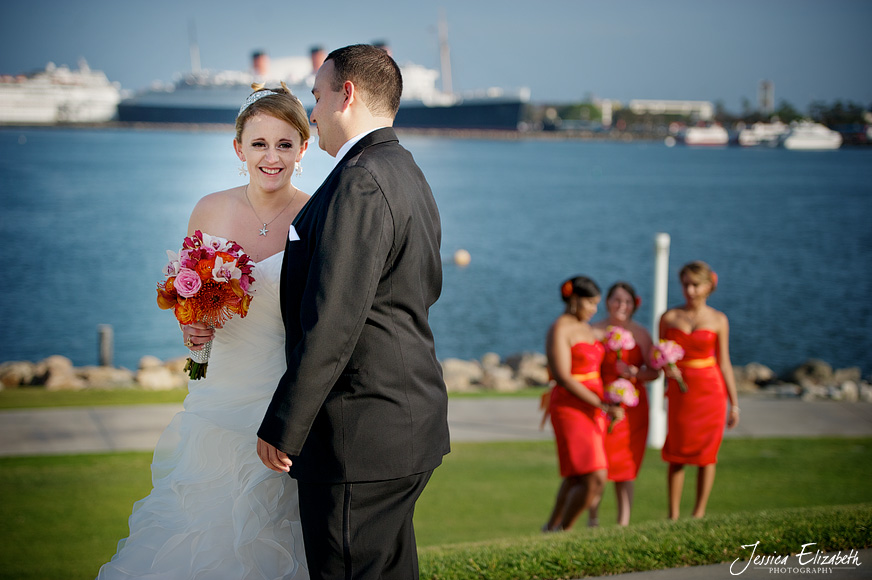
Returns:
(215,511)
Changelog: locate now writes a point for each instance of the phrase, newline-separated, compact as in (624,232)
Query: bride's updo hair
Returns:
(580,286)
(280,103)
(699,272)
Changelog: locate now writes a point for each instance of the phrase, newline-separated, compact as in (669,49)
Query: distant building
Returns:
(766,98)
(703,110)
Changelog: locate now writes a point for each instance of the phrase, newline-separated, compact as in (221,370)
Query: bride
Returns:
(215,510)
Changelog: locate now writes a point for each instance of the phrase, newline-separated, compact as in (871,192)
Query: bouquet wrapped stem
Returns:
(682,386)
(198,361)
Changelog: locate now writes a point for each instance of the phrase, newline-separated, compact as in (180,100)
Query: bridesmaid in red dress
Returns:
(577,411)
(625,445)
(696,418)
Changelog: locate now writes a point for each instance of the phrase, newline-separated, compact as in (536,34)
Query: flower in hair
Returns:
(566,289)
(638,302)
(714,278)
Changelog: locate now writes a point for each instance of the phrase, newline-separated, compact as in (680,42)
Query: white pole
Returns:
(104,332)
(657,417)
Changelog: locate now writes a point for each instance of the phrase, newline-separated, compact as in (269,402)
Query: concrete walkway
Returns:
(137,427)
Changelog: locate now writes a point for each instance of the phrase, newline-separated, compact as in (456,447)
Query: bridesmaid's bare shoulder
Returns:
(720,319)
(670,315)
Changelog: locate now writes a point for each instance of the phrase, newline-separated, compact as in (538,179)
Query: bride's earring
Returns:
(298,169)
(243,169)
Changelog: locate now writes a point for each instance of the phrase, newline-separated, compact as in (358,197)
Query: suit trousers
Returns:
(361,531)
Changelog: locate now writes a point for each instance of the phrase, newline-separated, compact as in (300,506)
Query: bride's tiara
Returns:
(260,93)
(253,97)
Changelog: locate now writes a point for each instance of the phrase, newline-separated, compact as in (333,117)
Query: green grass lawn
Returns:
(36,397)
(62,515)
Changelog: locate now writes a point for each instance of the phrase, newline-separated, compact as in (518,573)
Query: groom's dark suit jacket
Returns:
(363,397)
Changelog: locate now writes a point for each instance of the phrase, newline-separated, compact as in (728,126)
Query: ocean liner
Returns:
(214,97)
(58,95)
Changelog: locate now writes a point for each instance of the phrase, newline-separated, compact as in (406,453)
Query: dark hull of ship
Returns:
(504,115)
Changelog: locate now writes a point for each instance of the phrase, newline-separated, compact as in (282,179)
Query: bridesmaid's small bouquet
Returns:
(667,353)
(619,339)
(620,392)
(209,281)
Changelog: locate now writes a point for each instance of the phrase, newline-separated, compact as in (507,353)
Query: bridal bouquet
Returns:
(621,391)
(667,353)
(619,339)
(209,281)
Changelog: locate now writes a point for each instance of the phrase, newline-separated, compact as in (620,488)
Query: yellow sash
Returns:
(697,363)
(545,401)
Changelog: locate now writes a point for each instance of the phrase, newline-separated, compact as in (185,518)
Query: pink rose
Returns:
(187,283)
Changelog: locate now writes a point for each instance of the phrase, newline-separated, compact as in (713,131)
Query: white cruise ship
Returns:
(204,96)
(58,95)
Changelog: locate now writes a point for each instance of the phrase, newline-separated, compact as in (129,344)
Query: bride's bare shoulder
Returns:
(219,199)
(212,210)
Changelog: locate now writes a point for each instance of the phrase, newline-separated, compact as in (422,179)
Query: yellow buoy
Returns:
(462,258)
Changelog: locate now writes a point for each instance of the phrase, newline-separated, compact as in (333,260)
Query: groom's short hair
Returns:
(374,73)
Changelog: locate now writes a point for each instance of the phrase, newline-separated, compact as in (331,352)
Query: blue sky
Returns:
(564,51)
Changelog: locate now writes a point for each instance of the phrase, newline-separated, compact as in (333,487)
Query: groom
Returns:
(360,417)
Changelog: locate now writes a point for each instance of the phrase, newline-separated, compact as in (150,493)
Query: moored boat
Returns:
(810,136)
(704,136)
(762,134)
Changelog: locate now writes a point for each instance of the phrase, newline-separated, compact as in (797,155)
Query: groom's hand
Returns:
(272,457)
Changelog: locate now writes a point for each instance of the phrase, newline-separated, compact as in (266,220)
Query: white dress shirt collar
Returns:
(351,142)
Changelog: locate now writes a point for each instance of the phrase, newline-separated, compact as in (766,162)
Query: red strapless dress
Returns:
(579,427)
(697,418)
(625,445)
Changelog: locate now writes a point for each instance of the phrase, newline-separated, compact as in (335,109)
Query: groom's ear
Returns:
(350,94)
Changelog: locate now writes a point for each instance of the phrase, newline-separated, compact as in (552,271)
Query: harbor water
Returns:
(87,216)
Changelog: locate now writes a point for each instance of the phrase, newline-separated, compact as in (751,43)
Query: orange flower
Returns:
(236,287)
(165,299)
(225,256)
(185,311)
(204,268)
(243,305)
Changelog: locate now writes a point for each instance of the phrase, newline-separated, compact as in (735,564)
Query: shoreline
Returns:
(482,134)
(813,379)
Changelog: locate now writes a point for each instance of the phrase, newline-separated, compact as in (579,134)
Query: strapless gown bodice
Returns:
(215,511)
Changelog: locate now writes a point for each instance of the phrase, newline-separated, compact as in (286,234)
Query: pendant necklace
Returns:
(263,229)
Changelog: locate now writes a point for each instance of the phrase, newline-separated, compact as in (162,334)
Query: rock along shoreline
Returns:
(812,380)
